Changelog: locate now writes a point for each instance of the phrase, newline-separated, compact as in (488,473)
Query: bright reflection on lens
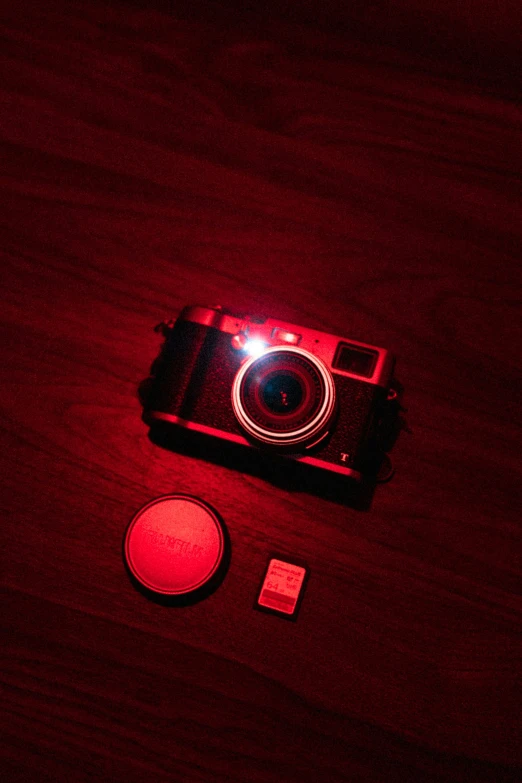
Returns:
(255,347)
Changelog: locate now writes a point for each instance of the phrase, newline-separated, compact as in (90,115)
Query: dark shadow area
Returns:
(285,473)
(476,41)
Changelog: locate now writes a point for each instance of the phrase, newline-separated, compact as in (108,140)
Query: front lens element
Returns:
(284,397)
(282,393)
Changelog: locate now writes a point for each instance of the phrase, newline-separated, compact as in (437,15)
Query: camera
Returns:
(288,390)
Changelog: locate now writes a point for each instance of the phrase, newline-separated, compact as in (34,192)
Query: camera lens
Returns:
(282,393)
(286,397)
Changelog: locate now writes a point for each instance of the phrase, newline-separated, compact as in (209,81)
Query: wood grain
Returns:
(150,160)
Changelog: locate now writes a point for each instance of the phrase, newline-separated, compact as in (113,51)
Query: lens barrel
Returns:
(284,398)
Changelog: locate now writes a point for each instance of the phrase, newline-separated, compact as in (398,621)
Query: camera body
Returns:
(293,391)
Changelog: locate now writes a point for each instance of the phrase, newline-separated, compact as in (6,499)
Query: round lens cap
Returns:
(176,547)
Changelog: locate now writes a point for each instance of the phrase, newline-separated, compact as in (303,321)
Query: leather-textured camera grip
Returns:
(177,369)
(193,377)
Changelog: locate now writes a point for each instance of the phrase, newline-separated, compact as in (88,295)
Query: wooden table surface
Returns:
(152,159)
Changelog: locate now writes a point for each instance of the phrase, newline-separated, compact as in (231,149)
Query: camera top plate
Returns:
(376,363)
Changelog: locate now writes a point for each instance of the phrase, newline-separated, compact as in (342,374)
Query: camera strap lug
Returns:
(386,470)
(164,327)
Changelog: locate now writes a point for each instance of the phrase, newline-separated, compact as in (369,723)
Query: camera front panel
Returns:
(358,403)
(195,375)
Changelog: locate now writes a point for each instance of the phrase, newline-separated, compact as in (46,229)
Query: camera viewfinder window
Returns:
(351,358)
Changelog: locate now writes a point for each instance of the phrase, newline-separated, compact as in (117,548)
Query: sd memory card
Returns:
(282,588)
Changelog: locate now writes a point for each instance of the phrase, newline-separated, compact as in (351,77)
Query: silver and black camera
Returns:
(295,392)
